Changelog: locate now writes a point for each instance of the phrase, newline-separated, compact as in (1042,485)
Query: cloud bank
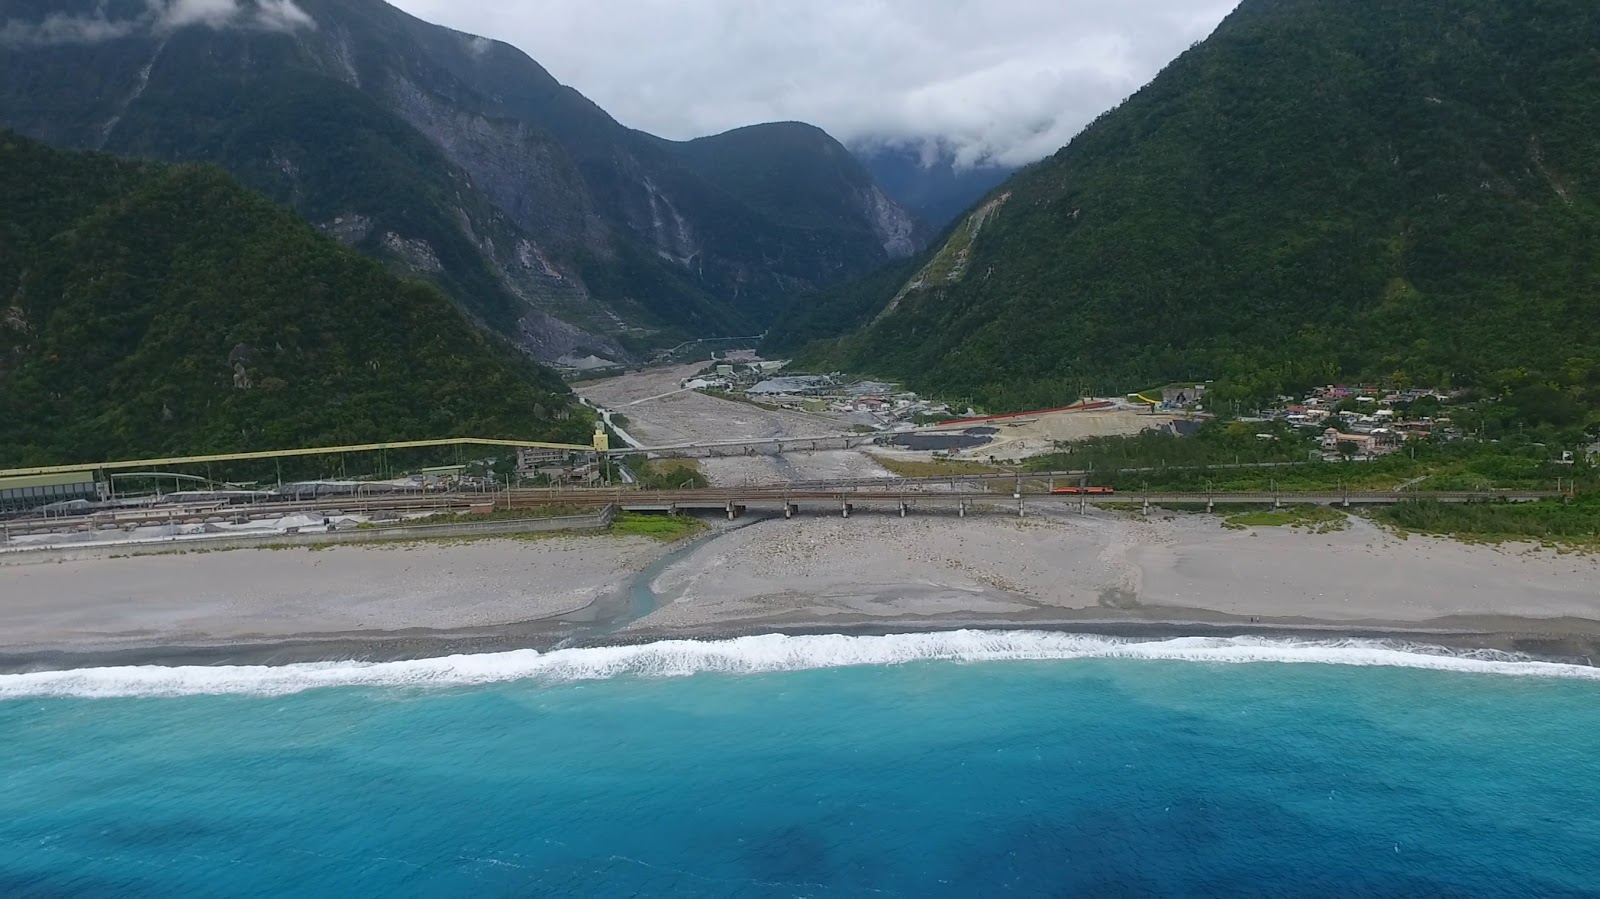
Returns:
(1004,81)
(159,16)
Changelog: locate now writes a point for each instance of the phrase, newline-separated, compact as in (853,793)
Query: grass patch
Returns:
(665,528)
(939,468)
(1573,524)
(668,474)
(674,466)
(1316,519)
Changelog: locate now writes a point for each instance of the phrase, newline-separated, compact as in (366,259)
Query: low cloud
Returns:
(1003,81)
(159,16)
(60,28)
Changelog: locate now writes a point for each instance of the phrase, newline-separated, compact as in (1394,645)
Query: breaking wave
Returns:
(757,655)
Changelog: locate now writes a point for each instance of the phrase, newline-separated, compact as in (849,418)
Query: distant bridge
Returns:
(959,495)
(908,495)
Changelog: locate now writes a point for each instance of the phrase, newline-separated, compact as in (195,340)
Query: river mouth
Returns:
(605,617)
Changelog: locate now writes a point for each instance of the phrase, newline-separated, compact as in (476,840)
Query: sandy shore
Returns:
(1122,574)
(1103,573)
(273,597)
(1113,566)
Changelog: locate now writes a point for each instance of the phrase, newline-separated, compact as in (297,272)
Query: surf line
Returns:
(767,653)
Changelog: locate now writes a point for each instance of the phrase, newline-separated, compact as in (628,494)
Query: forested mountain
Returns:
(150,310)
(455,158)
(1322,190)
(929,182)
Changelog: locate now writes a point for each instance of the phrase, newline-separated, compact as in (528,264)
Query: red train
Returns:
(1091,491)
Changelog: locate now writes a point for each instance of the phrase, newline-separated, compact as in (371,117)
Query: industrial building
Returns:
(23,493)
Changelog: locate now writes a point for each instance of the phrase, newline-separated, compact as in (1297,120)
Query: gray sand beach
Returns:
(1105,573)
(336,597)
(998,570)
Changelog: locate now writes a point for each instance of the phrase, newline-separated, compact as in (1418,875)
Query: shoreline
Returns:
(1107,575)
(1577,644)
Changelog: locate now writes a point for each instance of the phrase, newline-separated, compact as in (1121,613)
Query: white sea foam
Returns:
(756,655)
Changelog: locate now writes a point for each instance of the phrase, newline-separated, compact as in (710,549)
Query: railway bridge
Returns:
(939,493)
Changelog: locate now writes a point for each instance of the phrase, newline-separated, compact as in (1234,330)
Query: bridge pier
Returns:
(733,511)
(1147,506)
(846,509)
(963,507)
(902,508)
(788,509)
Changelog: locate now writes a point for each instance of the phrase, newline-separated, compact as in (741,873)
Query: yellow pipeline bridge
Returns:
(304,451)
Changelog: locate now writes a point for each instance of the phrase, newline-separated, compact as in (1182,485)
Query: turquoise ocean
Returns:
(954,764)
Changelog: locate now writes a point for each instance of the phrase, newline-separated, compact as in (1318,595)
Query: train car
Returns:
(1089,491)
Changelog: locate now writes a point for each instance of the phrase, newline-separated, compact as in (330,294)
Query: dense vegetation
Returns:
(152,310)
(1323,190)
(841,309)
(795,175)
(1575,521)
(1229,456)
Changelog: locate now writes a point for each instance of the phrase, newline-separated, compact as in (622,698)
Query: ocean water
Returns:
(961,764)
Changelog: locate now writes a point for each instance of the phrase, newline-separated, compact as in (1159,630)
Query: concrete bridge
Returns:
(903,497)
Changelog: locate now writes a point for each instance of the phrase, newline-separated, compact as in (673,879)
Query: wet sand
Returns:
(1106,573)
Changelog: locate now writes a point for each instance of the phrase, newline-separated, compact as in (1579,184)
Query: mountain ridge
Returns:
(1318,191)
(549,220)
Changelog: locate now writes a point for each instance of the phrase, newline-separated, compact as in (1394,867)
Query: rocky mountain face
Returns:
(1387,190)
(458,159)
(929,182)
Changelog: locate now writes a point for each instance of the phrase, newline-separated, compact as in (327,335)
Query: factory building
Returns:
(24,493)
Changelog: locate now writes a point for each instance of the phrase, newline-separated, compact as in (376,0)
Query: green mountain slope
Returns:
(791,173)
(151,310)
(451,157)
(1321,190)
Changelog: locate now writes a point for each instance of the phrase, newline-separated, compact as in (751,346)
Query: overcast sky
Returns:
(1011,80)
